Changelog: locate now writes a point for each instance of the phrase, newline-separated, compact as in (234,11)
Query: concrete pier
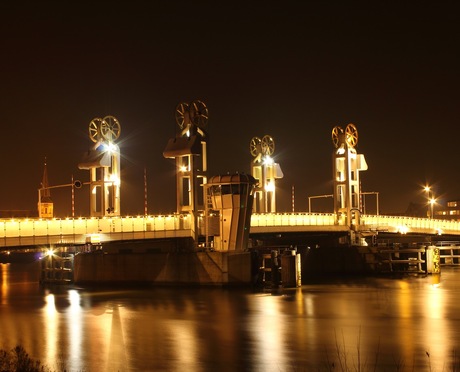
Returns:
(184,268)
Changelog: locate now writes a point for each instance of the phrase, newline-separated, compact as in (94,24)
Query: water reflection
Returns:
(267,326)
(74,321)
(183,335)
(406,324)
(4,285)
(438,331)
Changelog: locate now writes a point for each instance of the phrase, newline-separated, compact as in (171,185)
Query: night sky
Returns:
(290,69)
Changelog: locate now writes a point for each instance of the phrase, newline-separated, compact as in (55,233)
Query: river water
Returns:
(340,324)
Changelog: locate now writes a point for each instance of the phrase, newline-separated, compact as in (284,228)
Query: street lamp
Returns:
(377,199)
(315,197)
(431,201)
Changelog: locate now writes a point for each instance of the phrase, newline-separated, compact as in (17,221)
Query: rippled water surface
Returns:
(408,324)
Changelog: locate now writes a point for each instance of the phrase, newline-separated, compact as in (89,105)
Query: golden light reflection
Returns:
(51,328)
(306,326)
(434,303)
(117,360)
(185,339)
(300,301)
(269,334)
(436,324)
(4,288)
(407,332)
(309,306)
(424,312)
(75,335)
(101,330)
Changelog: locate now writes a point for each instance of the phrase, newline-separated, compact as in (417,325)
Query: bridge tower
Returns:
(265,171)
(189,149)
(347,164)
(103,162)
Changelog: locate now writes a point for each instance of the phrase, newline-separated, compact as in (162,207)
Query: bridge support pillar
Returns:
(57,268)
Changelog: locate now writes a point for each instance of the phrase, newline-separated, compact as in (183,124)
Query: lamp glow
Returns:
(270,186)
(49,253)
(403,229)
(268,160)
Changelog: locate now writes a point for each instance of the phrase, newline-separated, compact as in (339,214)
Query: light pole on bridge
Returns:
(377,199)
(431,200)
(75,184)
(315,197)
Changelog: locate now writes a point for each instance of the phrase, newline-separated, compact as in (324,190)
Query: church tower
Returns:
(45,204)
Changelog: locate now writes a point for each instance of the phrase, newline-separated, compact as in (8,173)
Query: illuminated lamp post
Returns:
(315,197)
(431,201)
(376,199)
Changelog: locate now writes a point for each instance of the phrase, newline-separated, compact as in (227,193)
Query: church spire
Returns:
(45,194)
(45,204)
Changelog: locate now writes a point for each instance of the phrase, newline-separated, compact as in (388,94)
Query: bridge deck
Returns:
(36,232)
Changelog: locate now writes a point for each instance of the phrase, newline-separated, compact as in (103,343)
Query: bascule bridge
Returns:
(233,230)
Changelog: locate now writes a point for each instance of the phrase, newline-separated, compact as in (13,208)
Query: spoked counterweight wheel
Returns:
(94,129)
(336,131)
(255,146)
(182,115)
(351,135)
(268,145)
(110,128)
(199,114)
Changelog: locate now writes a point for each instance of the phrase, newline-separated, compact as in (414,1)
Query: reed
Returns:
(340,360)
(18,360)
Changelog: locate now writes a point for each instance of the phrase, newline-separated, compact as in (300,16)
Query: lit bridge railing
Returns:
(326,222)
(35,232)
(293,222)
(401,224)
(291,219)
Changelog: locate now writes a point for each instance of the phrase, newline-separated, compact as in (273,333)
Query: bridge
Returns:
(194,196)
(21,233)
(216,218)
(69,236)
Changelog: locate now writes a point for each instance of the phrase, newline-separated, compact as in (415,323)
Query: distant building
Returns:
(450,212)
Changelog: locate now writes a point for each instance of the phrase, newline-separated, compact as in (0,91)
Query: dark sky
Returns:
(290,69)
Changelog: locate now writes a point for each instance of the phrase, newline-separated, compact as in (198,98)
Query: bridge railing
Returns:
(398,224)
(404,224)
(292,219)
(21,232)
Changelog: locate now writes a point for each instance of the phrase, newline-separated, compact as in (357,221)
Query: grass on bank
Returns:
(18,360)
(339,360)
